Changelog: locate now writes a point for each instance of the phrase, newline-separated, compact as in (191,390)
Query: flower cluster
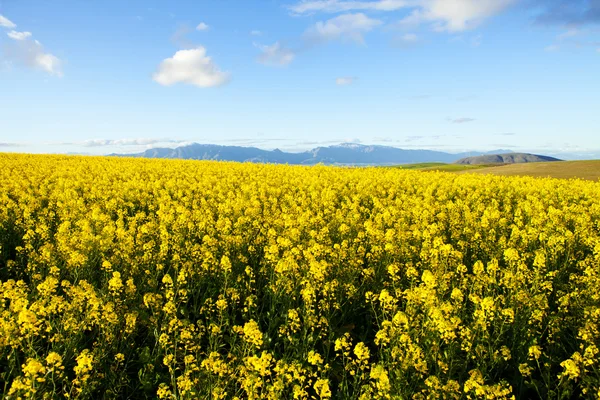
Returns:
(183,279)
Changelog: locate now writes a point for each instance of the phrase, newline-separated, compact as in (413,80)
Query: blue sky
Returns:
(121,76)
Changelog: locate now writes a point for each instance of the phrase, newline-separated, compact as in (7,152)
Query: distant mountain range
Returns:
(510,158)
(342,154)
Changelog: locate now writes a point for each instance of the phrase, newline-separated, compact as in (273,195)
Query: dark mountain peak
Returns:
(340,154)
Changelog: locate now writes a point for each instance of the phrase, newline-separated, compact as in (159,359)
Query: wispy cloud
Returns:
(573,38)
(192,67)
(569,33)
(336,6)
(125,142)
(180,39)
(477,40)
(6,23)
(8,144)
(346,27)
(421,97)
(569,13)
(345,80)
(418,138)
(255,32)
(31,53)
(462,120)
(445,15)
(466,98)
(409,139)
(407,40)
(454,15)
(275,55)
(19,35)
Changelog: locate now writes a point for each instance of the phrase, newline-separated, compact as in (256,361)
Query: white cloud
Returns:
(552,48)
(345,80)
(455,15)
(6,23)
(31,53)
(345,27)
(335,6)
(446,15)
(18,35)
(275,55)
(191,66)
(255,32)
(49,63)
(202,27)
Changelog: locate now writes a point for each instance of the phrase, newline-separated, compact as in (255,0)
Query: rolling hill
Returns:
(509,158)
(589,170)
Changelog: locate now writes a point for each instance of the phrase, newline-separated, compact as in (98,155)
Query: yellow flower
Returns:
(33,367)
(570,369)
(361,351)
(115,283)
(314,358)
(534,352)
(252,333)
(321,387)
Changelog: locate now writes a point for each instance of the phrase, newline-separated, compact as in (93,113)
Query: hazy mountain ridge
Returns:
(342,154)
(509,158)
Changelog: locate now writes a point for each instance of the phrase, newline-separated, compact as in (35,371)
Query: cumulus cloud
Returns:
(275,54)
(462,120)
(18,35)
(345,27)
(345,80)
(6,23)
(202,27)
(192,67)
(446,15)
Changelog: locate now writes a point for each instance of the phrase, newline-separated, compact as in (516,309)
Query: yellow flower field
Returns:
(135,278)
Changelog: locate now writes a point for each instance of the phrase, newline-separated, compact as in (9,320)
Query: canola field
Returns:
(134,278)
